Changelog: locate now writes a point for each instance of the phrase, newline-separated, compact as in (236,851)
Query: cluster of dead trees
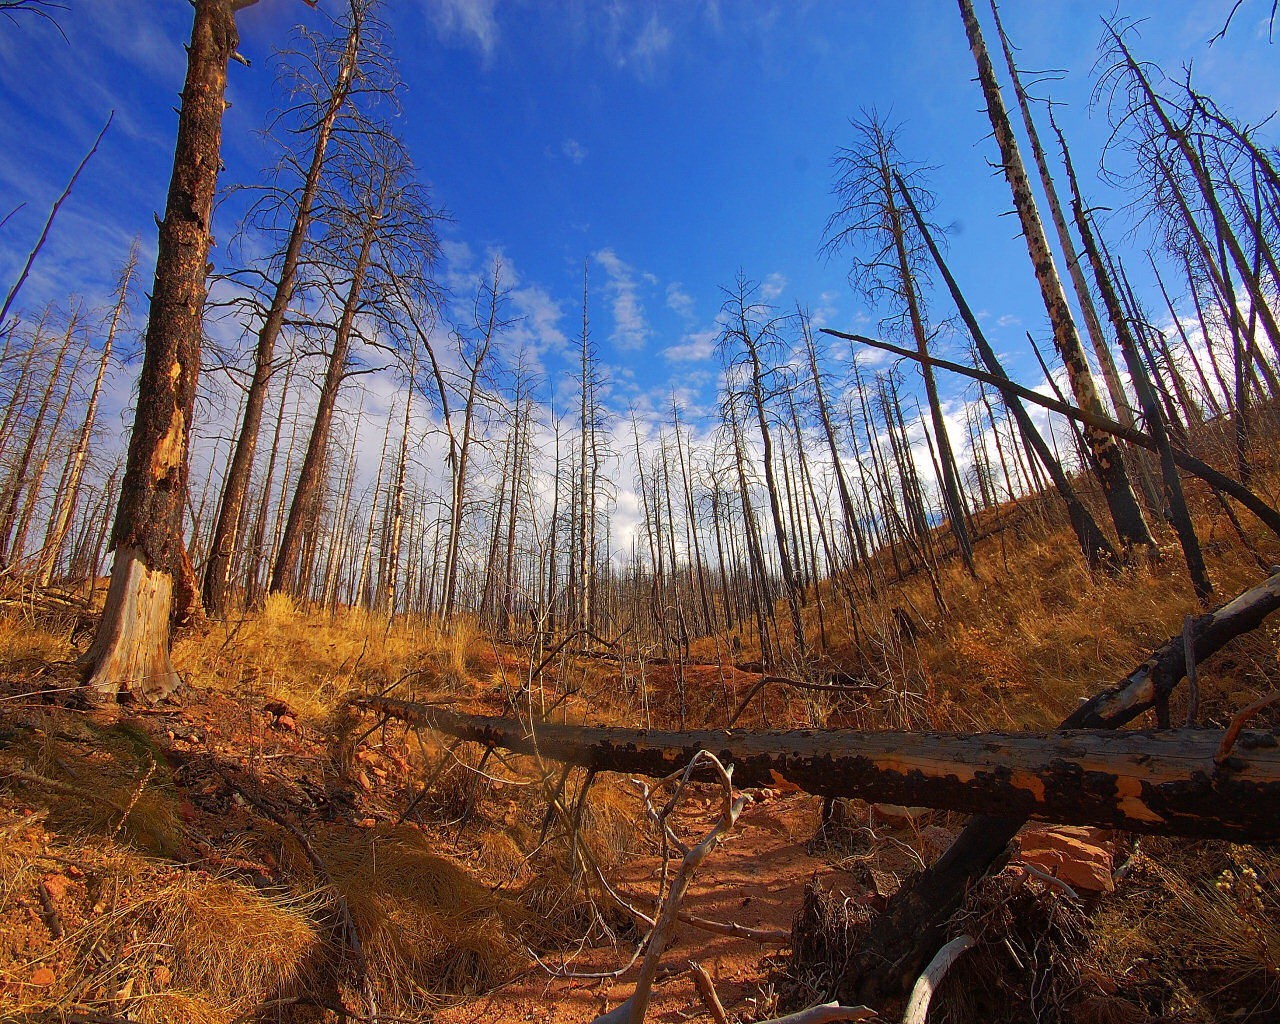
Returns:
(824,478)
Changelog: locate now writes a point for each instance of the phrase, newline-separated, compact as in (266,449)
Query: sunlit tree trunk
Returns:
(130,652)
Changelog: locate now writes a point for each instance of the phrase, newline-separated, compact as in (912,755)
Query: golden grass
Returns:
(146,940)
(429,929)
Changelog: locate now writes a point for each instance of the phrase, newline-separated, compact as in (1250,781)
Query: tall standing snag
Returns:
(130,653)
(1125,512)
(231,513)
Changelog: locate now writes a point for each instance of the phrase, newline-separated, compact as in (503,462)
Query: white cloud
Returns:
(630,329)
(679,301)
(693,347)
(472,20)
(772,286)
(1008,320)
(653,41)
(541,315)
(574,150)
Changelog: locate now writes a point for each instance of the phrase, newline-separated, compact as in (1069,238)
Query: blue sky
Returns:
(668,144)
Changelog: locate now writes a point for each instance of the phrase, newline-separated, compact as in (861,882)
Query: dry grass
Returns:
(430,930)
(309,660)
(141,938)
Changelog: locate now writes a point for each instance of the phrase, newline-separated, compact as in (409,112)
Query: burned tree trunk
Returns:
(130,653)
(1166,782)
(1125,512)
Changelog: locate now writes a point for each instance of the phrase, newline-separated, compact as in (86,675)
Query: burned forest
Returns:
(639,513)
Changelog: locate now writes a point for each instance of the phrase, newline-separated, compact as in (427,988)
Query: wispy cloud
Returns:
(630,329)
(574,150)
(772,286)
(693,347)
(679,301)
(653,41)
(472,21)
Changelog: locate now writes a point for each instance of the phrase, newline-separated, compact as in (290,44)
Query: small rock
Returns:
(43,977)
(1081,857)
(896,814)
(56,885)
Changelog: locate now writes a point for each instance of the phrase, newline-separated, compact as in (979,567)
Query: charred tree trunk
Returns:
(1125,511)
(130,653)
(1164,783)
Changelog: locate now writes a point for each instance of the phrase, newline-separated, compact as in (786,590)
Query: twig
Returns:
(800,684)
(51,919)
(53,213)
(1050,880)
(707,990)
(1237,723)
(764,936)
(137,795)
(825,1013)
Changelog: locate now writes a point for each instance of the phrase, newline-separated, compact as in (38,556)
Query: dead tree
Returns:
(65,508)
(1130,524)
(1093,543)
(1089,312)
(331,70)
(1185,460)
(888,260)
(749,338)
(130,652)
(379,229)
(1179,516)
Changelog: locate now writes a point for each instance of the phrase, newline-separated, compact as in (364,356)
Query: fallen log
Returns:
(907,933)
(1163,782)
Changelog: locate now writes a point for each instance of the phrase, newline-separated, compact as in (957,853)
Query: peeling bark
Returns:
(130,653)
(1164,782)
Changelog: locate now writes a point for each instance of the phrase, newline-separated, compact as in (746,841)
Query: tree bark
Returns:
(1125,512)
(130,653)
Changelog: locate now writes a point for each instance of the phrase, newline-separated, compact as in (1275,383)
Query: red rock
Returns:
(43,977)
(1081,857)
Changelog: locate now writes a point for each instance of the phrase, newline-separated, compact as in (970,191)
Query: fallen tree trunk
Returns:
(1163,782)
(906,934)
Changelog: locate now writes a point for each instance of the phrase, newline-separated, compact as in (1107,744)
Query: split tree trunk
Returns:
(130,654)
